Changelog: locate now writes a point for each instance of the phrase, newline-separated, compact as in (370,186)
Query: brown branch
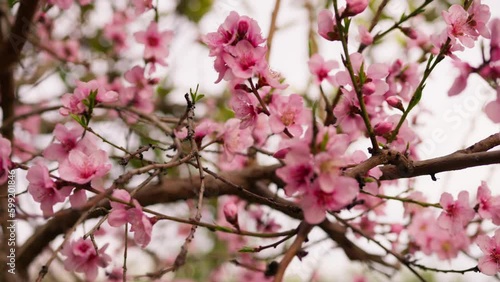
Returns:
(10,51)
(272,28)
(172,190)
(304,229)
(455,161)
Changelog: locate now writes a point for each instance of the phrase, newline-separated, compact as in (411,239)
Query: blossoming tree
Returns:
(111,168)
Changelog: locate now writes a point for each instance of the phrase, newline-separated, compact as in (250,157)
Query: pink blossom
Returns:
(66,50)
(402,79)
(288,112)
(461,81)
(74,103)
(327,27)
(156,42)
(315,202)
(413,209)
(222,45)
(467,26)
(116,33)
(5,163)
(321,69)
(142,6)
(244,108)
(82,257)
(374,83)
(62,4)
(69,139)
(347,113)
(456,214)
(44,190)
(244,60)
(235,140)
(204,128)
(492,110)
(447,246)
(488,206)
(30,123)
(489,264)
(140,94)
(354,7)
(495,40)
(120,214)
(261,129)
(82,167)
(364,35)
(298,171)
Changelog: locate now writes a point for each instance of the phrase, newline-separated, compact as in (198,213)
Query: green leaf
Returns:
(246,249)
(77,119)
(194,10)
(199,97)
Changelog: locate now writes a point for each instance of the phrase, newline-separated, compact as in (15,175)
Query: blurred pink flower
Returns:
(321,69)
(456,214)
(156,42)
(5,163)
(82,257)
(44,190)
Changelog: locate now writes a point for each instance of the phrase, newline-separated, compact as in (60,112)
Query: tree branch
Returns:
(10,51)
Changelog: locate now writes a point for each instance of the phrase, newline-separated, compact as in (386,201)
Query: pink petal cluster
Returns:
(141,225)
(81,256)
(73,103)
(288,112)
(354,7)
(317,179)
(489,264)
(245,108)
(461,81)
(140,93)
(402,80)
(69,139)
(142,6)
(327,26)
(236,48)
(44,190)
(321,69)
(488,206)
(374,84)
(5,163)
(426,234)
(156,43)
(82,166)
(456,214)
(235,139)
(466,26)
(115,31)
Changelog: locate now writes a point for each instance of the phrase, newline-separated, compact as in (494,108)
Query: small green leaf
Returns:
(78,119)
(246,249)
(199,97)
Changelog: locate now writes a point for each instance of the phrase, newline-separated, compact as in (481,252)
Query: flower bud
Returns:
(355,7)
(410,32)
(382,128)
(231,214)
(395,102)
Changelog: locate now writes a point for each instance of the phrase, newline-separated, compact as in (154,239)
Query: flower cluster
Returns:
(81,162)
